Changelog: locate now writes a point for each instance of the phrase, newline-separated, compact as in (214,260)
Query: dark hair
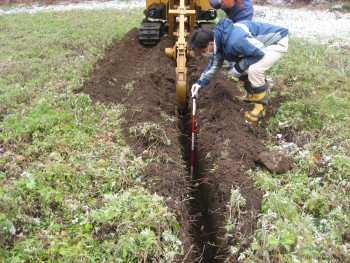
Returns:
(200,38)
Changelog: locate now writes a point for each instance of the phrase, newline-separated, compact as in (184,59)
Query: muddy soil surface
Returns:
(143,79)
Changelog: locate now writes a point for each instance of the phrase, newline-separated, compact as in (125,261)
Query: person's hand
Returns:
(194,90)
(234,73)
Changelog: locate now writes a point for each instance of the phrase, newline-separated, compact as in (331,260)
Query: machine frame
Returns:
(176,18)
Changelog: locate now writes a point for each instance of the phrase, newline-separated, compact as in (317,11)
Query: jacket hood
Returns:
(222,31)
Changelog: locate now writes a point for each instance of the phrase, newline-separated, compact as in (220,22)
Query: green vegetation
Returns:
(70,187)
(306,211)
(151,133)
(341,6)
(233,225)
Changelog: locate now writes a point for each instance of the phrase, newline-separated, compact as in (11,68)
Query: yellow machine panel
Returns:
(204,4)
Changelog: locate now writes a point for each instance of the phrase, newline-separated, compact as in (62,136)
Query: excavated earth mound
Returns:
(143,79)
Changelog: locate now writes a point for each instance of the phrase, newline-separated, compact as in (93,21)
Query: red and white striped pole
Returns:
(193,131)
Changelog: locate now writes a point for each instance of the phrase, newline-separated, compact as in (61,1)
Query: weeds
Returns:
(129,87)
(63,159)
(233,222)
(150,133)
(337,5)
(166,118)
(127,220)
(305,212)
(69,184)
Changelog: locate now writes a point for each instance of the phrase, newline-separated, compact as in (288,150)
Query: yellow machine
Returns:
(176,18)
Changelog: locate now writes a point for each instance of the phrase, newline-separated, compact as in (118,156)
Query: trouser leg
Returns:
(256,72)
(259,92)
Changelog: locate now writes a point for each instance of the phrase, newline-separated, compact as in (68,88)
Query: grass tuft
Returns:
(69,185)
(305,213)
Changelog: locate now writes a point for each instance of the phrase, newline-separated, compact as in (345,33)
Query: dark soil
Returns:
(226,145)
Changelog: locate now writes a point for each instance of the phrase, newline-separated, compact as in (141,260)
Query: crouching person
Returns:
(253,47)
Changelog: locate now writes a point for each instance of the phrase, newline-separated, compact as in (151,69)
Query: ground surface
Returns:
(226,146)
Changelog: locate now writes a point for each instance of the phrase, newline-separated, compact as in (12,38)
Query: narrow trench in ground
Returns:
(226,146)
(203,226)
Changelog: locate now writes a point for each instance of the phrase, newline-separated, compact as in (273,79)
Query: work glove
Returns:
(194,90)
(234,73)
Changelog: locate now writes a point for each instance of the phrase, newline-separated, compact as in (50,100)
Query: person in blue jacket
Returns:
(236,10)
(253,46)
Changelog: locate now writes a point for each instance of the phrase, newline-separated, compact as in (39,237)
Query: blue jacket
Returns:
(243,43)
(237,12)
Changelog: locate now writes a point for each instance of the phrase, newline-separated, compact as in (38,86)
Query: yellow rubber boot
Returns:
(257,113)
(261,97)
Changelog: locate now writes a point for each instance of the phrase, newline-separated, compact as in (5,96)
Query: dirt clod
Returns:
(274,161)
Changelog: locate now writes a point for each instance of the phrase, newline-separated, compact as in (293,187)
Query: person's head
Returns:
(202,40)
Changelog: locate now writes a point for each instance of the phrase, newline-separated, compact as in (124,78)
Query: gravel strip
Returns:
(317,26)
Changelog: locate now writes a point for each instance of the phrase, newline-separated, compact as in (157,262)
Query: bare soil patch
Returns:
(226,146)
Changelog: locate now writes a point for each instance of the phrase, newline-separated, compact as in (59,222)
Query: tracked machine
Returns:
(175,18)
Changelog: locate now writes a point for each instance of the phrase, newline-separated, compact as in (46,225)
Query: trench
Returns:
(204,225)
(222,129)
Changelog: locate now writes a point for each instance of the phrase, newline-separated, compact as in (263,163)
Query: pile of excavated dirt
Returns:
(143,79)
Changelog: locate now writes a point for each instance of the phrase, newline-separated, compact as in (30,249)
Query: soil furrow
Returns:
(143,79)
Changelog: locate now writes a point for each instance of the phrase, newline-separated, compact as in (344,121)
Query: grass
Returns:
(11,3)
(150,133)
(305,213)
(70,187)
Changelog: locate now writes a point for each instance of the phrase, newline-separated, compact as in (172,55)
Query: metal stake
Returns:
(193,132)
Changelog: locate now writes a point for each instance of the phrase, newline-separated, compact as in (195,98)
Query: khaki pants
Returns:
(256,72)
